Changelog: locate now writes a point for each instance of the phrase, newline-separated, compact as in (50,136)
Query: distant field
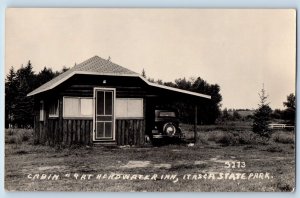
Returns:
(217,148)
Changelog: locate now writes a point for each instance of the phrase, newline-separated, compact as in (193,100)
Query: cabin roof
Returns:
(99,66)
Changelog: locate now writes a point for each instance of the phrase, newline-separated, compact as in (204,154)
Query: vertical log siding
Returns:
(130,131)
(80,131)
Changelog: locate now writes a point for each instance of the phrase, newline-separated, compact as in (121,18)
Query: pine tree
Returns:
(10,96)
(144,74)
(261,117)
(23,111)
(289,113)
(44,76)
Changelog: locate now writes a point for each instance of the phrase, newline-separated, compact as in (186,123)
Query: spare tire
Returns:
(169,129)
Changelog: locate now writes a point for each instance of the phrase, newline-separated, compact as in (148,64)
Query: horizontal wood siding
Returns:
(130,131)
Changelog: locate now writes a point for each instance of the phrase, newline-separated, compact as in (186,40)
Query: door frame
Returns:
(114,113)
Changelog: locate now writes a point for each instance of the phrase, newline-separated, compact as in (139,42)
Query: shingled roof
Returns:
(100,66)
(95,65)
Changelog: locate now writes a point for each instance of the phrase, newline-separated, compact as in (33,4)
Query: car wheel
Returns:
(169,129)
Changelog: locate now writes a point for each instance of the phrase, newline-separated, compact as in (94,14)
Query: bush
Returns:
(247,137)
(284,138)
(15,139)
(17,136)
(236,138)
(11,140)
(227,139)
(10,132)
(215,135)
(26,134)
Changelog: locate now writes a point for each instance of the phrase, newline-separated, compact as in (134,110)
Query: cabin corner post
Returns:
(61,131)
(47,135)
(144,123)
(91,132)
(36,128)
(36,124)
(195,123)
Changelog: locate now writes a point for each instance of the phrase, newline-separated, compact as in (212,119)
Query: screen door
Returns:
(104,114)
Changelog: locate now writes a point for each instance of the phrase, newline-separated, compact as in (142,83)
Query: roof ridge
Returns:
(96,63)
(85,62)
(96,58)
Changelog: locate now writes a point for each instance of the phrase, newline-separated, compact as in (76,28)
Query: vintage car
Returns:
(165,125)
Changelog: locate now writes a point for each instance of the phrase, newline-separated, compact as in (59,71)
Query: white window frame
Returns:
(135,117)
(79,108)
(57,111)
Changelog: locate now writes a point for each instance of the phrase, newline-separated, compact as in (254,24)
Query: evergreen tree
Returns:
(10,97)
(170,84)
(23,111)
(289,113)
(261,117)
(277,114)
(44,76)
(64,69)
(19,107)
(144,73)
(159,81)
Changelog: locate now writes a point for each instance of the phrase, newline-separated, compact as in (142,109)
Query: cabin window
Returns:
(129,108)
(86,106)
(42,111)
(53,109)
(77,107)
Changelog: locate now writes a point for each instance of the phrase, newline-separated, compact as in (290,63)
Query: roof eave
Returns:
(34,92)
(175,89)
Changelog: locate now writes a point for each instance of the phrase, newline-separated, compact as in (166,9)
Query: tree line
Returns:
(19,107)
(208,112)
(287,115)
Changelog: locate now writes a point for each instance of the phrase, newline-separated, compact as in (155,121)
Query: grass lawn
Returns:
(200,167)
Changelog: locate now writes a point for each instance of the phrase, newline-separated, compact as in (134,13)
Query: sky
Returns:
(241,50)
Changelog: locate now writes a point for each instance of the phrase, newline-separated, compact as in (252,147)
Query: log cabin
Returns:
(99,102)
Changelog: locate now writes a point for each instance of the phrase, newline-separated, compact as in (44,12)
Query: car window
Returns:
(167,114)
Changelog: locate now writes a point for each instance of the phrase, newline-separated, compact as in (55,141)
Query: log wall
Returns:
(80,131)
(65,132)
(130,131)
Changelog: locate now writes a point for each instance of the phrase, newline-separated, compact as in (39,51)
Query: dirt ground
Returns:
(208,166)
